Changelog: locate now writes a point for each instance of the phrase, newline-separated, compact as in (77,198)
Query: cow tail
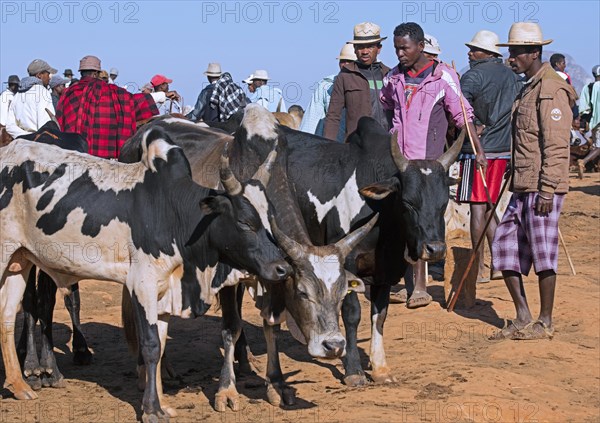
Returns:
(128,321)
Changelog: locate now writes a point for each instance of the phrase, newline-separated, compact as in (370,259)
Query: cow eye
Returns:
(245,227)
(303,295)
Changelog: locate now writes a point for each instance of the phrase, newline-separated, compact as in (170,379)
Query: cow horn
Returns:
(347,244)
(450,156)
(293,249)
(399,159)
(228,179)
(52,117)
(263,174)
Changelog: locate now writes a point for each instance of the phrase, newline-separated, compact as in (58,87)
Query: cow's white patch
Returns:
(426,172)
(260,122)
(556,114)
(205,278)
(171,120)
(256,196)
(326,268)
(377,356)
(348,204)
(158,148)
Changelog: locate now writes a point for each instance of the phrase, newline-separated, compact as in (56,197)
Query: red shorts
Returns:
(471,189)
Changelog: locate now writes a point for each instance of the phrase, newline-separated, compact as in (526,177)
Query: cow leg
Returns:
(231,328)
(146,319)
(278,392)
(242,353)
(46,301)
(163,326)
(380,299)
(355,376)
(27,346)
(81,353)
(11,295)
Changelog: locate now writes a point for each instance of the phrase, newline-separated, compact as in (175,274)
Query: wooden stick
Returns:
(474,253)
(562,241)
(464,112)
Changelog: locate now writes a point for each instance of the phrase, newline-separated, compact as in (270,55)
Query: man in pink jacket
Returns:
(419,96)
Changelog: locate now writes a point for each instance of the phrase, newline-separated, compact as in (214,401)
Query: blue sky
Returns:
(295,41)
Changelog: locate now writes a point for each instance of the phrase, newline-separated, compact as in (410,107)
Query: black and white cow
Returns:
(318,271)
(146,225)
(39,298)
(410,196)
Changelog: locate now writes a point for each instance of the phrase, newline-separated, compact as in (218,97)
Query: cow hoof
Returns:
(82,358)
(170,411)
(227,398)
(34,382)
(160,417)
(356,380)
(383,376)
(53,381)
(21,390)
(281,394)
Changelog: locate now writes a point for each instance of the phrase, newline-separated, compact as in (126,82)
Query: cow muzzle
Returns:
(328,346)
(433,251)
(334,348)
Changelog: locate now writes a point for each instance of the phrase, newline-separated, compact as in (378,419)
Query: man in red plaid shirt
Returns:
(105,115)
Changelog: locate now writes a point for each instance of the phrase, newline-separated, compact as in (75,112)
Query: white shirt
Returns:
(5,99)
(27,112)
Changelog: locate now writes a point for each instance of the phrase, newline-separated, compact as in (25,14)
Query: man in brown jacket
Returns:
(528,232)
(357,86)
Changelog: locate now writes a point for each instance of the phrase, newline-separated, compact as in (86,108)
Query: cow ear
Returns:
(380,190)
(215,204)
(354,283)
(453,181)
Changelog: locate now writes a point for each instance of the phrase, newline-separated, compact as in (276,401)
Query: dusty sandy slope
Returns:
(447,369)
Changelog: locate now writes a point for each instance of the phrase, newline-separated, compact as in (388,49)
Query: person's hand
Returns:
(481,161)
(543,203)
(172,95)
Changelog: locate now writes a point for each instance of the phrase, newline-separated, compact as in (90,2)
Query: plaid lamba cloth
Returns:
(227,97)
(105,115)
(524,238)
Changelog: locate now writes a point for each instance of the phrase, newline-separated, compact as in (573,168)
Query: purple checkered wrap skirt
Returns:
(524,238)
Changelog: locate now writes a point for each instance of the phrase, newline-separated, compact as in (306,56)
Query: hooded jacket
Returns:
(491,88)
(422,126)
(27,111)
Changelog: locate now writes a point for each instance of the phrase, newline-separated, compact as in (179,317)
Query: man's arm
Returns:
(336,104)
(45,103)
(200,105)
(11,124)
(315,111)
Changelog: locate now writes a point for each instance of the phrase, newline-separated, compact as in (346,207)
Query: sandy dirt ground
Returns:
(447,369)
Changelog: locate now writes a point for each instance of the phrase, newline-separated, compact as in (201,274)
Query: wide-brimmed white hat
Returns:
(347,53)
(525,34)
(214,69)
(367,33)
(432,46)
(258,74)
(248,80)
(485,40)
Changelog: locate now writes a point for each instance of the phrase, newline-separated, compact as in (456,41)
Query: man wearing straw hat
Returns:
(491,88)
(528,233)
(202,109)
(356,88)
(314,117)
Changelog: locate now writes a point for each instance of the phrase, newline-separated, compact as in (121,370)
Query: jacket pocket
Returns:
(523,118)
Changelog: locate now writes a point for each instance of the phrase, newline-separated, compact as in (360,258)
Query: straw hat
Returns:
(367,33)
(214,69)
(485,40)
(347,53)
(525,34)
(432,46)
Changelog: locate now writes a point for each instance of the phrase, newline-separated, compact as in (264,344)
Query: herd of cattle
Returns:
(188,212)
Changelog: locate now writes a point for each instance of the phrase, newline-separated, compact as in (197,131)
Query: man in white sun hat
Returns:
(271,98)
(202,109)
(314,117)
(432,47)
(528,233)
(357,87)
(490,88)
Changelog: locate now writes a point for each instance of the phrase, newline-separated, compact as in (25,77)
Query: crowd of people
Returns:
(520,115)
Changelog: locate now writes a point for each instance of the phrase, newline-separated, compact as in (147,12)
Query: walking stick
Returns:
(485,187)
(474,253)
(562,241)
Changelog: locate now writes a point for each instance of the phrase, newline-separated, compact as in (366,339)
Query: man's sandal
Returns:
(507,332)
(534,330)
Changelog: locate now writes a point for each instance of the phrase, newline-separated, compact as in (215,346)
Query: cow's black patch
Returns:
(58,173)
(45,200)
(25,174)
